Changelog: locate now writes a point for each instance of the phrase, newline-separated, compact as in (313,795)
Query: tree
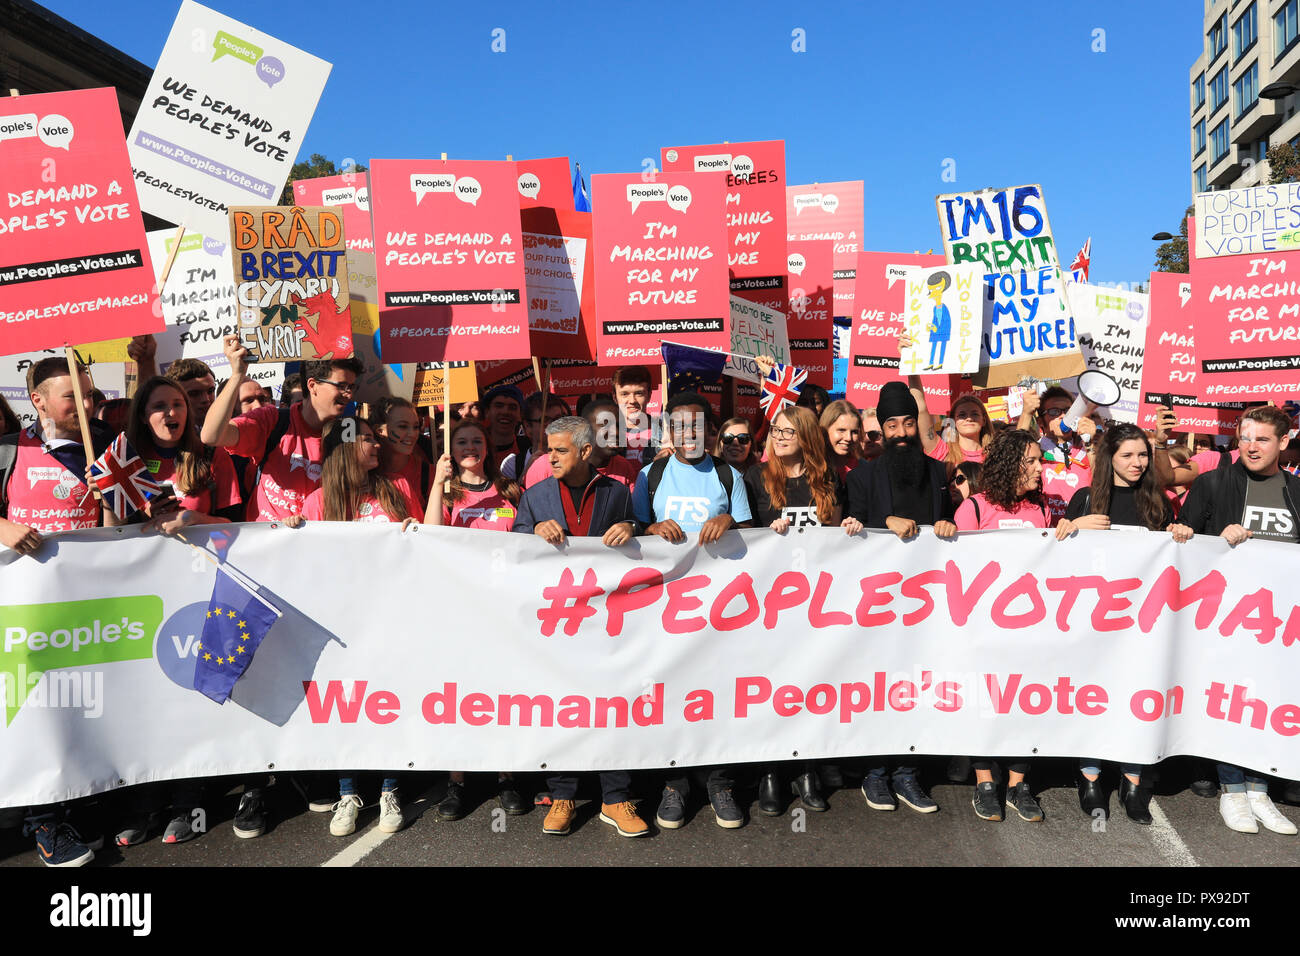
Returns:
(1172,255)
(314,168)
(1283,164)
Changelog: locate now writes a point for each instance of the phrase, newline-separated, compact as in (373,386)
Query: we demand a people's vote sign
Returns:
(514,655)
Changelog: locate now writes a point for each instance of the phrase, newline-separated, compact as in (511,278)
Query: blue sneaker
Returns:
(57,845)
(908,790)
(876,790)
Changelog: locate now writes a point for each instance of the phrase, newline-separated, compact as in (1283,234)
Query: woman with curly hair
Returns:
(1124,491)
(1010,497)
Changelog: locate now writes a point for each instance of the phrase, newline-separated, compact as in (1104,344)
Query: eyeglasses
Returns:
(737,439)
(874,435)
(343,387)
(782,434)
(959,479)
(1050,413)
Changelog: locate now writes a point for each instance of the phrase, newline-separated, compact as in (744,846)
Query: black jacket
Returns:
(871,500)
(1217,499)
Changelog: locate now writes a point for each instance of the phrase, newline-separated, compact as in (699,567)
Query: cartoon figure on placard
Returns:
(940,327)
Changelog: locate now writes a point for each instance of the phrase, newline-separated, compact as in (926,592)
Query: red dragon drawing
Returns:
(333,331)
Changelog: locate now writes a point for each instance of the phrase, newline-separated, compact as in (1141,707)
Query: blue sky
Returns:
(885,92)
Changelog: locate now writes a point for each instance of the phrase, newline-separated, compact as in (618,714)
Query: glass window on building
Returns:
(1285,28)
(1244,33)
(1246,90)
(1219,142)
(1198,92)
(1201,181)
(1219,89)
(1198,138)
(1219,37)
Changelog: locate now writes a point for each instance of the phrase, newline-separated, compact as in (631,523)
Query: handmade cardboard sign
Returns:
(942,311)
(1005,230)
(1112,330)
(1232,222)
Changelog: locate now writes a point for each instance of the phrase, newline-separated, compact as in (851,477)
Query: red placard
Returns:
(1246,310)
(808,318)
(544,183)
(878,319)
(830,211)
(755,176)
(558,257)
(449,258)
(493,372)
(351,193)
(74,263)
(568,377)
(1169,364)
(661,264)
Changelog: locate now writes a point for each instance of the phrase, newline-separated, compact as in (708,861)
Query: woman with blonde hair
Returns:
(842,423)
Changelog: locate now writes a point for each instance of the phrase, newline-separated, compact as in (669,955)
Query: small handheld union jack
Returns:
(781,389)
(123,479)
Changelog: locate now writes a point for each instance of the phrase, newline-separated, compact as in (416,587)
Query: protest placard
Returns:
(1258,219)
(830,211)
(558,274)
(430,380)
(879,299)
(661,264)
(1111,325)
(450,260)
(1028,329)
(943,309)
(1246,310)
(809,323)
(492,373)
(755,178)
(1169,366)
(1005,230)
(291,282)
(222,120)
(74,266)
(378,379)
(544,183)
(351,193)
(755,330)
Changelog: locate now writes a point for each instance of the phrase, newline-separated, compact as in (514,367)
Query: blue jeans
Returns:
(883,771)
(1236,779)
(348,785)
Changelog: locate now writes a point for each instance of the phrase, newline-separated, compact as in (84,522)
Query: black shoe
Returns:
(805,785)
(770,803)
(1291,794)
(830,776)
(452,805)
(1022,801)
(1136,800)
(959,769)
(250,818)
(510,800)
(1093,797)
(986,803)
(1205,788)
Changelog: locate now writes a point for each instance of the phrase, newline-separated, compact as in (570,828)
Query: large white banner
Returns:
(222,121)
(456,649)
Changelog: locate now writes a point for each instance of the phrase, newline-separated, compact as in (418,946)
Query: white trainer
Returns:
(345,815)
(1269,815)
(1236,812)
(390,812)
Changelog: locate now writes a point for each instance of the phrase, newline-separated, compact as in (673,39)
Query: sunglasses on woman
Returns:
(733,439)
(959,479)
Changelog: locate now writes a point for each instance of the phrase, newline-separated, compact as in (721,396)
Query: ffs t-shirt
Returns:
(800,506)
(689,494)
(292,470)
(1266,514)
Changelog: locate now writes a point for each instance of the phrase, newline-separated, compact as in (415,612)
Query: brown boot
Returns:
(623,817)
(560,818)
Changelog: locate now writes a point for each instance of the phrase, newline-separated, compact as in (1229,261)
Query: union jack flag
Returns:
(1083,261)
(123,479)
(781,389)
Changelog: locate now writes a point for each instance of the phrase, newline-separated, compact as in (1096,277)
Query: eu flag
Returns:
(236,622)
(690,368)
(581,201)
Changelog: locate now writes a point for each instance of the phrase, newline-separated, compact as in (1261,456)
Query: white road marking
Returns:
(1167,841)
(360,848)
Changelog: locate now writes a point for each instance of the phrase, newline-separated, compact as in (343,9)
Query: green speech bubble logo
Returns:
(227,45)
(43,637)
(189,242)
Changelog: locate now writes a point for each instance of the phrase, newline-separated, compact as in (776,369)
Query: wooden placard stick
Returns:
(543,376)
(74,372)
(171,257)
(446,411)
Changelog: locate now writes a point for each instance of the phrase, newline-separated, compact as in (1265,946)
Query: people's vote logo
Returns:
(1275,520)
(1071,479)
(1004,523)
(683,508)
(301,461)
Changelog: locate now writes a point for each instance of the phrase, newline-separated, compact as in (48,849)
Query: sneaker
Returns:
(250,818)
(1264,811)
(137,831)
(180,829)
(910,792)
(623,817)
(559,819)
(542,798)
(345,815)
(58,845)
(986,803)
(1019,798)
(1236,811)
(390,812)
(725,811)
(311,788)
(86,824)
(452,805)
(672,810)
(878,794)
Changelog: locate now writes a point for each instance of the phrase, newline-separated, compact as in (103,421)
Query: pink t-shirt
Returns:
(44,495)
(1060,482)
(487,509)
(222,493)
(292,471)
(407,483)
(1208,460)
(940,453)
(992,518)
(618,468)
(313,509)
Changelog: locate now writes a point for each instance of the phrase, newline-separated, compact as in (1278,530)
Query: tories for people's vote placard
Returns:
(942,312)
(1233,222)
(755,177)
(830,211)
(1169,368)
(544,183)
(222,120)
(879,299)
(351,193)
(450,259)
(74,266)
(291,282)
(809,268)
(1006,230)
(661,264)
(558,274)
(1112,330)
